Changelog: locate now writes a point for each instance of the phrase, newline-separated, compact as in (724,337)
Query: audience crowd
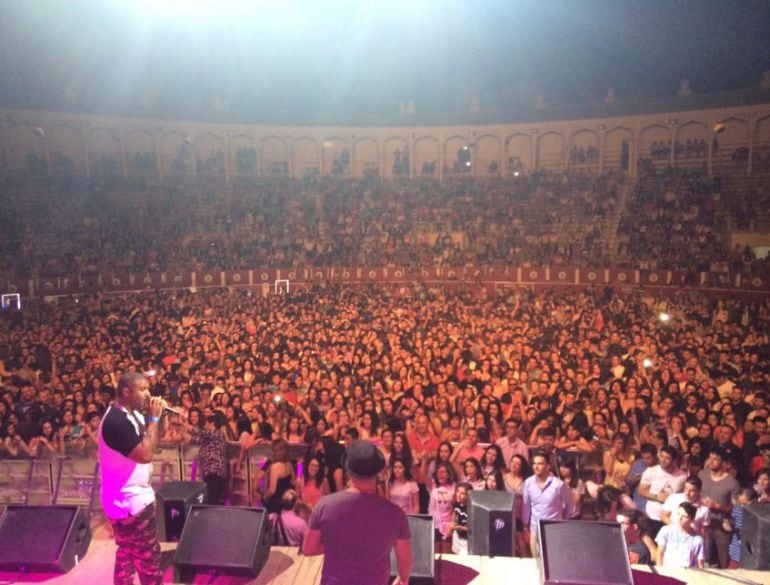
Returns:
(546,218)
(458,390)
(674,222)
(586,404)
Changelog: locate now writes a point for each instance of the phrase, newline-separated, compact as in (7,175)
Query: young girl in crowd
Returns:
(443,455)
(312,485)
(460,520)
(494,482)
(569,475)
(402,490)
(441,504)
(519,471)
(472,473)
(492,461)
(617,461)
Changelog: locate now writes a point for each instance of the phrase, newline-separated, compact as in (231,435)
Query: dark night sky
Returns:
(345,57)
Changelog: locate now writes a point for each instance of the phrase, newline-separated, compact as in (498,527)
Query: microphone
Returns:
(168,410)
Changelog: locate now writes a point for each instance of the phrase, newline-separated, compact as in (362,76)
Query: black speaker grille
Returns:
(34,534)
(584,552)
(218,536)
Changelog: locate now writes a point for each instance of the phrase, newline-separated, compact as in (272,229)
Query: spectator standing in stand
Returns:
(546,497)
(720,492)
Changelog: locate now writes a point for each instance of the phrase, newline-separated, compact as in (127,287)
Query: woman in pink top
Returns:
(402,489)
(312,485)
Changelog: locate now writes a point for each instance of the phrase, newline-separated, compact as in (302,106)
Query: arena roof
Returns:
(349,62)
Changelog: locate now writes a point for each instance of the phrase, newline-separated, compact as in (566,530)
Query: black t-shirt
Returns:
(121,431)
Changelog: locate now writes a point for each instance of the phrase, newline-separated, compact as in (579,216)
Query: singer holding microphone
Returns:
(127,438)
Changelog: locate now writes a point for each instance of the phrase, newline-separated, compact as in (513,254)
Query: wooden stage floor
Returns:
(286,567)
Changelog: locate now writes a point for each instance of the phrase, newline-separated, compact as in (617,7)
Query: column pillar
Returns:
(441,162)
(159,156)
(602,145)
(123,163)
(352,157)
(672,154)
(226,155)
(86,150)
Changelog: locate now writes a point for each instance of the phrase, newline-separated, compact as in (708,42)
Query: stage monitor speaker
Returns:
(174,499)
(423,547)
(43,539)
(491,523)
(224,539)
(755,537)
(576,552)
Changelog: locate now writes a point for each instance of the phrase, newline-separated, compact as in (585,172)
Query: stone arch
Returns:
(653,142)
(141,157)
(25,147)
(334,150)
(584,149)
(366,156)
(452,153)
(518,154)
(691,143)
(66,149)
(396,153)
(242,155)
(550,150)
(274,155)
(104,152)
(730,148)
(615,157)
(210,155)
(487,155)
(177,152)
(304,156)
(426,157)
(761,147)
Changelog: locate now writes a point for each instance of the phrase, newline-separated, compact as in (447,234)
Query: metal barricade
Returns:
(25,481)
(74,479)
(166,464)
(76,482)
(189,454)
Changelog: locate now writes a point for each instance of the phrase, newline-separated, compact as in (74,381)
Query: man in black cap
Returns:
(355,529)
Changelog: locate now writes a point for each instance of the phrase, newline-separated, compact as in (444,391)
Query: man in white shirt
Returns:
(126,443)
(660,481)
(691,493)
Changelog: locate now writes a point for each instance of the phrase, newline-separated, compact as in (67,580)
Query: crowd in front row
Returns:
(583,403)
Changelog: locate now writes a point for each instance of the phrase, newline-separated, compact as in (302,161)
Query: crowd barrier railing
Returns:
(73,479)
(488,275)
